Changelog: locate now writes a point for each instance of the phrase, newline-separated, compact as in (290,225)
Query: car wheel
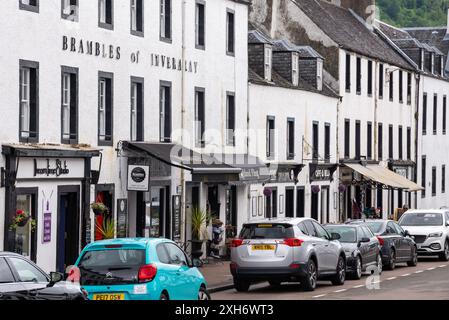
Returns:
(340,276)
(392,260)
(274,283)
(308,282)
(163,296)
(379,264)
(241,285)
(357,274)
(203,294)
(445,255)
(414,261)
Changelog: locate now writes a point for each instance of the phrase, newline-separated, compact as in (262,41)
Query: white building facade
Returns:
(100,86)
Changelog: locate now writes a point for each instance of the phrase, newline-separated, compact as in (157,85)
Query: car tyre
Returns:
(414,261)
(241,285)
(357,274)
(392,260)
(308,282)
(203,294)
(340,277)
(445,255)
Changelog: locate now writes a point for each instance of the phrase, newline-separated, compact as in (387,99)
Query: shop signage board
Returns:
(46,238)
(176,232)
(138,178)
(50,168)
(322,172)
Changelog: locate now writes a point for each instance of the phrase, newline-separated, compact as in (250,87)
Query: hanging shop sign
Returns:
(138,178)
(322,172)
(46,236)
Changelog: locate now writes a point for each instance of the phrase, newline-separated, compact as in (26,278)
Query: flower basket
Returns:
(99,208)
(316,189)
(20,220)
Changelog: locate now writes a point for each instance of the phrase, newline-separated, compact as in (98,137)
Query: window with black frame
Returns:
(29,101)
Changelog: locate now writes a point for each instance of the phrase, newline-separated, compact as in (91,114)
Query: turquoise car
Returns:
(139,269)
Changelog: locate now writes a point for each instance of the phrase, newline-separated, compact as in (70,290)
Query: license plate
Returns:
(111,296)
(263,247)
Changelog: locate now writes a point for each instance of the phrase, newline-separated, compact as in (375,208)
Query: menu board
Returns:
(122,218)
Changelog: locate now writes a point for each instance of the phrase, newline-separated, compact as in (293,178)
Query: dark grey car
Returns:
(21,279)
(361,246)
(397,244)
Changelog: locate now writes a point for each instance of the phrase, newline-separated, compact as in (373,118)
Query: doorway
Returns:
(68,247)
(315,197)
(289,202)
(300,202)
(271,204)
(231,212)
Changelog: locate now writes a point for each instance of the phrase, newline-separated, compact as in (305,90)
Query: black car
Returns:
(397,245)
(21,279)
(361,247)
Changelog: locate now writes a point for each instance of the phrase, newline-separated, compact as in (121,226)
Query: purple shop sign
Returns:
(47,227)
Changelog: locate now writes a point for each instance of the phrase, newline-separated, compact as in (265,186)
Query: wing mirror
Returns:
(335,236)
(55,277)
(364,240)
(406,233)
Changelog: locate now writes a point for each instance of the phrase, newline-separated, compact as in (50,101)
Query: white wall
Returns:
(434,147)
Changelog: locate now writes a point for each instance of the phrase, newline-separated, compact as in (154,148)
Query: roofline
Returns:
(395,47)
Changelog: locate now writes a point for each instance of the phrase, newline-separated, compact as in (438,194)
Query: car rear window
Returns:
(5,272)
(375,226)
(347,234)
(117,266)
(421,219)
(267,231)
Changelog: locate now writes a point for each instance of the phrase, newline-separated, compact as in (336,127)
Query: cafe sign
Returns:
(138,178)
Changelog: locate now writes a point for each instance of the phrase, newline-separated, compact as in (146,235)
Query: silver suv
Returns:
(286,250)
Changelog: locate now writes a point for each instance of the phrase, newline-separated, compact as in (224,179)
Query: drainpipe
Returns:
(375,124)
(416,117)
(183,111)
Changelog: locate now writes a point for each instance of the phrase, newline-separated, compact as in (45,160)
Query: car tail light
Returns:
(236,243)
(381,241)
(233,266)
(293,242)
(295,266)
(147,273)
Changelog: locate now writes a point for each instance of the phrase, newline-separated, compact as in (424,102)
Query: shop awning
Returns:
(384,176)
(34,150)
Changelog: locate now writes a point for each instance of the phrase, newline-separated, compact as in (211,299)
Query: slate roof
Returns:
(303,51)
(349,32)
(435,37)
(258,37)
(279,81)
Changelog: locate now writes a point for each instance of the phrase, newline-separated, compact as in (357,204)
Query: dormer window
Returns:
(319,74)
(268,62)
(295,68)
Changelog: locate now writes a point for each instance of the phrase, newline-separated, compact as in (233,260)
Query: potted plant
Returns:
(107,229)
(99,208)
(20,220)
(199,219)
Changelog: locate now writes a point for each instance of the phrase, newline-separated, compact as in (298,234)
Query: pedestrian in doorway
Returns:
(217,238)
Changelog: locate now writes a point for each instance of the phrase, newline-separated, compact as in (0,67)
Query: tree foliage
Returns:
(414,13)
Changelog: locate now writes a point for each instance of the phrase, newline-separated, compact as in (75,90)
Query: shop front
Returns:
(373,190)
(321,177)
(47,202)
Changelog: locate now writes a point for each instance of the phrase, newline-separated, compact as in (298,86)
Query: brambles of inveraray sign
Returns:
(113,52)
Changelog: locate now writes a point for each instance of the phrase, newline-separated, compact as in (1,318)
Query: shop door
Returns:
(289,203)
(155,214)
(315,197)
(68,227)
(231,212)
(300,201)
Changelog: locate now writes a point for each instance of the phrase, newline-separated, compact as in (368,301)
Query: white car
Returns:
(430,229)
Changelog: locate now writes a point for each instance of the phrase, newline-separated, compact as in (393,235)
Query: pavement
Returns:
(217,274)
(428,280)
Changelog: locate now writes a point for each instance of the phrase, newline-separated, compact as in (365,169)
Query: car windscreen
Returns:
(347,234)
(116,266)
(421,219)
(267,231)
